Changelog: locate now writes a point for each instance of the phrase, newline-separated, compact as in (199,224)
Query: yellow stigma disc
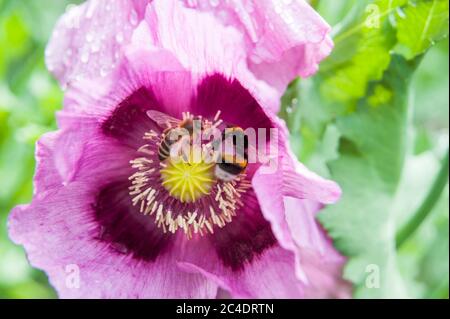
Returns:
(186,180)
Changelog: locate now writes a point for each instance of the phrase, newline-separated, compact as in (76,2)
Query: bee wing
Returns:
(163,120)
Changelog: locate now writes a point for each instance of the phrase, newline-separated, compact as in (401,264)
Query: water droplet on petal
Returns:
(133,18)
(104,71)
(90,11)
(48,52)
(89,37)
(68,57)
(119,37)
(214,3)
(287,18)
(95,47)
(85,57)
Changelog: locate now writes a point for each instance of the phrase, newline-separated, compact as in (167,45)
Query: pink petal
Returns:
(69,150)
(268,189)
(298,180)
(88,40)
(271,275)
(293,221)
(290,199)
(199,41)
(204,46)
(57,238)
(319,260)
(46,177)
(59,232)
(169,82)
(284,39)
(157,43)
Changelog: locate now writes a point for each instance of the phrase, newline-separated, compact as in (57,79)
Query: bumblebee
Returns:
(232,163)
(175,128)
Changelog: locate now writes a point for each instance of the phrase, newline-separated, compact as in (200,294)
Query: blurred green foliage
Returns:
(29,98)
(375,118)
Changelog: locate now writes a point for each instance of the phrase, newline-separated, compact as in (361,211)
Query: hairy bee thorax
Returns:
(187,185)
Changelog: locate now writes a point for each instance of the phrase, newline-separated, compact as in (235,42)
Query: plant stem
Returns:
(427,205)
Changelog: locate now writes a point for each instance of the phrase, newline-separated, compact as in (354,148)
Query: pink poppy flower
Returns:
(131,222)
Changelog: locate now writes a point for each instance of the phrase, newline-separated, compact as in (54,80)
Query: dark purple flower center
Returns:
(181,184)
(140,215)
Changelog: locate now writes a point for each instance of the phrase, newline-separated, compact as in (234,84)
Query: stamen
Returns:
(183,195)
(216,118)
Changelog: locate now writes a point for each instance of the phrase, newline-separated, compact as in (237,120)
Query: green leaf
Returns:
(362,51)
(369,170)
(420,26)
(379,126)
(430,97)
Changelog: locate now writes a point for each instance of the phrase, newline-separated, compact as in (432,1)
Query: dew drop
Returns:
(89,37)
(119,37)
(287,18)
(214,3)
(48,52)
(90,11)
(85,57)
(223,16)
(134,18)
(67,57)
(104,71)
(95,47)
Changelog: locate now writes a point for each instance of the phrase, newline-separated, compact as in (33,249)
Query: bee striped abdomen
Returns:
(165,145)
